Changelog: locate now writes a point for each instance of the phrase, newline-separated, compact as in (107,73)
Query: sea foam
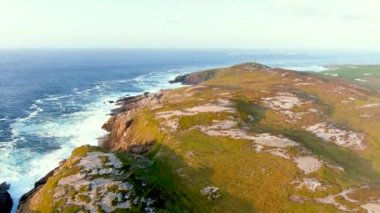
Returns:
(50,131)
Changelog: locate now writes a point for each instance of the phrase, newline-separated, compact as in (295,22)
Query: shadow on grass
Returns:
(355,166)
(157,176)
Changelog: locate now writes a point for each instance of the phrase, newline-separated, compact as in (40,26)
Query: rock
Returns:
(23,205)
(211,192)
(194,78)
(6,201)
(120,126)
(296,199)
(309,183)
(338,134)
(308,164)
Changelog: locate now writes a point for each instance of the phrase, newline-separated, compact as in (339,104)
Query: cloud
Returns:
(344,10)
(349,24)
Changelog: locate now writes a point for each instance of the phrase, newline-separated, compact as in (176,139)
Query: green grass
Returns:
(159,178)
(84,198)
(356,167)
(69,209)
(370,73)
(248,181)
(187,122)
(249,112)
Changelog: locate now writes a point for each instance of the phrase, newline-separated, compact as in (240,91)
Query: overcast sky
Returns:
(267,24)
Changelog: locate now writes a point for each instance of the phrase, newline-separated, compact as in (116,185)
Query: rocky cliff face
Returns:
(6,202)
(124,127)
(24,202)
(195,78)
(252,138)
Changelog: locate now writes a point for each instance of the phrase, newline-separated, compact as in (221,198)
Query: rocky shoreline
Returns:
(119,137)
(25,198)
(172,150)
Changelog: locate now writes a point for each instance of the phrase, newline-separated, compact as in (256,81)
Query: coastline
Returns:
(115,109)
(72,125)
(123,106)
(153,129)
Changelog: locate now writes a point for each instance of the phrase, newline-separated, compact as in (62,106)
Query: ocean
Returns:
(55,100)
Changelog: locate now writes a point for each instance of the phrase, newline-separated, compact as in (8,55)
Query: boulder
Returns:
(6,201)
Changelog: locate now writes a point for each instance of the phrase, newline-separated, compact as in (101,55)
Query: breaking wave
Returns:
(56,124)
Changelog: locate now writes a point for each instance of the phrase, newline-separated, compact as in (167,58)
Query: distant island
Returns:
(244,138)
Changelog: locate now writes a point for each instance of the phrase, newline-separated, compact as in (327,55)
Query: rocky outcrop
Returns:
(23,205)
(95,180)
(140,101)
(194,78)
(6,202)
(123,126)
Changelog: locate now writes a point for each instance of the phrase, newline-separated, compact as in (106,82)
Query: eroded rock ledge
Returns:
(124,133)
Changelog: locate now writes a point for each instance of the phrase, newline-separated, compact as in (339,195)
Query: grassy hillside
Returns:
(251,139)
(366,75)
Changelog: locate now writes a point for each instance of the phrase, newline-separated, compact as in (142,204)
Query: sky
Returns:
(195,24)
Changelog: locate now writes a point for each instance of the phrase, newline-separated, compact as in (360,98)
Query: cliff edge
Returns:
(244,138)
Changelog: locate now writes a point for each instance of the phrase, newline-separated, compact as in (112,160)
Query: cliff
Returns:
(195,78)
(248,138)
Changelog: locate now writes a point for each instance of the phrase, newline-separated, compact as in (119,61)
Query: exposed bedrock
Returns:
(121,127)
(194,78)
(23,205)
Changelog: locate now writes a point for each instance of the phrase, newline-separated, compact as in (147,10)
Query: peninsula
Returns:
(243,138)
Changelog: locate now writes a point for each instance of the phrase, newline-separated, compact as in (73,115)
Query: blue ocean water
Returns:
(55,100)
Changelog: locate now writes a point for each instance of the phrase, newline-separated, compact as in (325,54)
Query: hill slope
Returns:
(250,138)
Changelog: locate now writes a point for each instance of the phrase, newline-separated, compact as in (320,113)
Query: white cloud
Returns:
(322,24)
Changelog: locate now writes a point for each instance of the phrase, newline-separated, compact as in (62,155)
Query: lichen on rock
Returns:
(92,182)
